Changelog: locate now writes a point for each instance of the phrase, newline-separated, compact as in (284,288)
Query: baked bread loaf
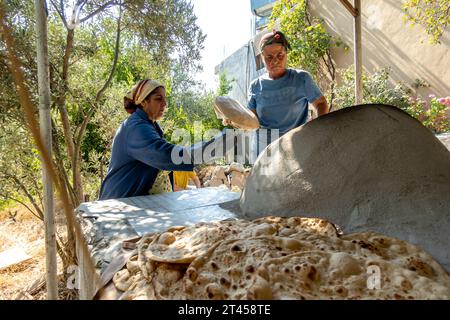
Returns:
(227,108)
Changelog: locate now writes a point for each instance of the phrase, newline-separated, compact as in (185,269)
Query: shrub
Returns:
(377,88)
(437,115)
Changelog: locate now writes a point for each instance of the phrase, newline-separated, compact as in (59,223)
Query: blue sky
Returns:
(227,24)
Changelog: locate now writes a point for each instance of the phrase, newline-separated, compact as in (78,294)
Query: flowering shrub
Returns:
(434,112)
(416,108)
(377,88)
(438,115)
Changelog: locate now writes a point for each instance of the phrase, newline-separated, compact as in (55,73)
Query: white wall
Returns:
(389,42)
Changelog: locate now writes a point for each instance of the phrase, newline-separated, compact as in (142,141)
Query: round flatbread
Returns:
(287,226)
(317,267)
(278,258)
(230,109)
(183,246)
(231,267)
(337,274)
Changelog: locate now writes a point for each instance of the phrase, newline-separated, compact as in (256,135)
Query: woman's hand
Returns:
(227,122)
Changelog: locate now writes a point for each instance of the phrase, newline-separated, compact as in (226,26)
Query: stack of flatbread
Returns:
(278,258)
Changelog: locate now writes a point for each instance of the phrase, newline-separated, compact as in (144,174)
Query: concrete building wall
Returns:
(240,67)
(387,41)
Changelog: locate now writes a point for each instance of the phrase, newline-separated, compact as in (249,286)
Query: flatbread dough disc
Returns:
(230,109)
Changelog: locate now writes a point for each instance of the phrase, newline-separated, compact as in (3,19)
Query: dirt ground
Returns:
(26,280)
(19,228)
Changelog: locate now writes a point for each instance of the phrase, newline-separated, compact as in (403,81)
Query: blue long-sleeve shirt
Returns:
(139,152)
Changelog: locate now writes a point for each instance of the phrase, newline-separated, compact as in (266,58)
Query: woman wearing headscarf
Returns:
(280,98)
(141,159)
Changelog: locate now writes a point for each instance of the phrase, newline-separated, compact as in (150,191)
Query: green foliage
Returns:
(378,88)
(307,35)
(193,113)
(434,114)
(433,15)
(5,204)
(190,107)
(20,169)
(167,29)
(438,115)
(155,35)
(225,85)
(93,145)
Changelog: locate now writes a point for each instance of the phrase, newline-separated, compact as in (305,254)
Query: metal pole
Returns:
(46,132)
(358,52)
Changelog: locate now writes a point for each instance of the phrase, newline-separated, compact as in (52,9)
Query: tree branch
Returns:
(102,90)
(116,58)
(64,180)
(101,8)
(67,53)
(102,162)
(61,103)
(27,194)
(38,194)
(24,204)
(62,251)
(61,3)
(60,12)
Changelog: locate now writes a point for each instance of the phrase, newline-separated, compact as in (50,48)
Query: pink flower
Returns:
(442,100)
(432,96)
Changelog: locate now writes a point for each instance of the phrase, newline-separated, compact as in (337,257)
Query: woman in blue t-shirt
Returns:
(280,98)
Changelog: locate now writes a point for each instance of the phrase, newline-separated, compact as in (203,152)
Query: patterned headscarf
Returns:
(274,37)
(139,92)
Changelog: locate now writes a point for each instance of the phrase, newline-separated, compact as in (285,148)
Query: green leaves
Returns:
(155,36)
(379,88)
(436,116)
(307,35)
(225,85)
(167,29)
(433,15)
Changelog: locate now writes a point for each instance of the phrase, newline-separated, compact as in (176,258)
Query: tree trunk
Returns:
(46,132)
(68,136)
(62,174)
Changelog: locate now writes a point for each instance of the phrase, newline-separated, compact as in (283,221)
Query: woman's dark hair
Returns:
(274,37)
(129,105)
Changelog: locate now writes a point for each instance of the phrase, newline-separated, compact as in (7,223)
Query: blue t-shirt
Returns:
(283,103)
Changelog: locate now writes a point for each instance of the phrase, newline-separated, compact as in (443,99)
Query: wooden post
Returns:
(355,11)
(46,133)
(358,53)
(349,7)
